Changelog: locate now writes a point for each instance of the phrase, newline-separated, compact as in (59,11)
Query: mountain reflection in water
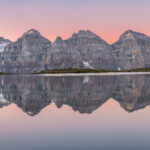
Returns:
(84,94)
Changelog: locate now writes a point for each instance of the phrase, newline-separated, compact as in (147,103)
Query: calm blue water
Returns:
(75,113)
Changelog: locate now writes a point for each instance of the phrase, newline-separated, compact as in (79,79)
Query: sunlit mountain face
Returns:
(83,94)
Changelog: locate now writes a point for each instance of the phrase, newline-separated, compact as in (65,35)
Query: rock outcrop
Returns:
(132,50)
(3,43)
(62,56)
(94,51)
(26,54)
(34,53)
(3,40)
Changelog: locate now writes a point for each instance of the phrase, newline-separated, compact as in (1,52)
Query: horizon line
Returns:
(72,34)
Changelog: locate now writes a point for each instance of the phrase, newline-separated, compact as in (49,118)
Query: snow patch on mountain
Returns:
(2,46)
(3,100)
(119,69)
(86,64)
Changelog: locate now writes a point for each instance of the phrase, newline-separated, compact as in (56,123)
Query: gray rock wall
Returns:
(33,53)
(132,50)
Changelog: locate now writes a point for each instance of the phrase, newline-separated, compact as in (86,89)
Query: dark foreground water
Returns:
(75,113)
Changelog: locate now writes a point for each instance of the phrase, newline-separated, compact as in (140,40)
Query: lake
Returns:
(40,112)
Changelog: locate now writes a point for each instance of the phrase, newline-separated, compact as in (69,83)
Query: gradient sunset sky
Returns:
(107,18)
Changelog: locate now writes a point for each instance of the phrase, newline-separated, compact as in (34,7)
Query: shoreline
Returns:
(95,74)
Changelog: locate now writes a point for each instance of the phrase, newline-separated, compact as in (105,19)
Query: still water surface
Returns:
(75,113)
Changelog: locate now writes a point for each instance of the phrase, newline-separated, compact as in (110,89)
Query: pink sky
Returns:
(62,18)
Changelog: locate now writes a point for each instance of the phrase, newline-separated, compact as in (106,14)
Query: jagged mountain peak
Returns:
(130,34)
(86,34)
(3,43)
(132,50)
(58,41)
(32,32)
(3,40)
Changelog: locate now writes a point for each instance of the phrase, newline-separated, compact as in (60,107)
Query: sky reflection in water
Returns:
(97,112)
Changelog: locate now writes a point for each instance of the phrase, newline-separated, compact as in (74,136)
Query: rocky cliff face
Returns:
(34,53)
(3,40)
(62,56)
(94,51)
(132,50)
(3,43)
(26,54)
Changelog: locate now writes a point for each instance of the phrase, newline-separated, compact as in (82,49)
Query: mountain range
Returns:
(34,53)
